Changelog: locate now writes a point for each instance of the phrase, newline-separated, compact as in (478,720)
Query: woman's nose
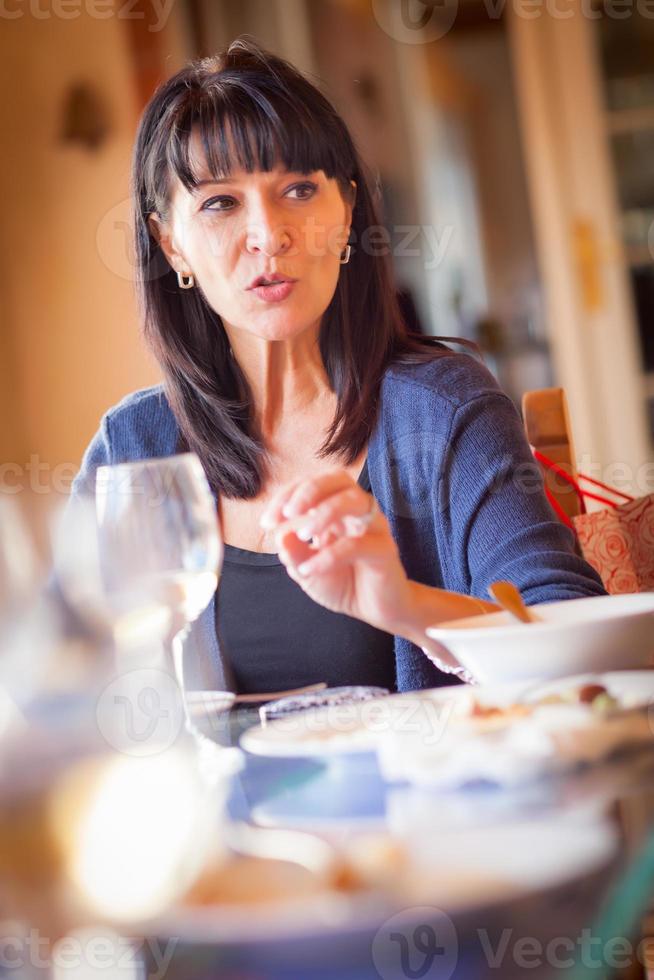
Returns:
(267,233)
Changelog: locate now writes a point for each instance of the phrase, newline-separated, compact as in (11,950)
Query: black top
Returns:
(274,636)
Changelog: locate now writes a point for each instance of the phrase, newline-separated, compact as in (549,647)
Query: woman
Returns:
(288,370)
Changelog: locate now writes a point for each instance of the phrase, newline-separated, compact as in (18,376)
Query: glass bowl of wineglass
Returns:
(160,540)
(143,559)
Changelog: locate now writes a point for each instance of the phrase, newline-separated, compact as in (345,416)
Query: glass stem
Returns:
(177,647)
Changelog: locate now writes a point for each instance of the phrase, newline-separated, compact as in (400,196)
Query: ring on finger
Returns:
(362,522)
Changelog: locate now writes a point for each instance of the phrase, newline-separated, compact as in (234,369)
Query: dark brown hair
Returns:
(273,114)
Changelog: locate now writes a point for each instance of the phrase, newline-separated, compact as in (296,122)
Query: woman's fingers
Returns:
(272,514)
(344,551)
(299,496)
(292,552)
(311,492)
(346,512)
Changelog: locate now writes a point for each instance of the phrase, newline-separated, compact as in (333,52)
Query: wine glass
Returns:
(26,623)
(160,545)
(18,564)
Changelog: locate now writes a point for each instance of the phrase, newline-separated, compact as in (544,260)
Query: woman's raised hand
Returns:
(352,565)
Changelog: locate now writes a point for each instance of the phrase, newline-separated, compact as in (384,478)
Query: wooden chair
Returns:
(547,423)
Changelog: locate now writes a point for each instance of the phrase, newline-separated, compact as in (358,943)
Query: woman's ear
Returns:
(155,227)
(353,197)
(162,234)
(349,204)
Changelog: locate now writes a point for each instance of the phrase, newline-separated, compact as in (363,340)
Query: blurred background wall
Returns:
(511,141)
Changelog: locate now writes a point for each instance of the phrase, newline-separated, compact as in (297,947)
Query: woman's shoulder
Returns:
(454,378)
(140,426)
(142,423)
(137,402)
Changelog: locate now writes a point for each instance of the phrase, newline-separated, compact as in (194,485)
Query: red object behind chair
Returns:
(617,541)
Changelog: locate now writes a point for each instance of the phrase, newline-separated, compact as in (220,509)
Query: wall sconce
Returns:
(85,117)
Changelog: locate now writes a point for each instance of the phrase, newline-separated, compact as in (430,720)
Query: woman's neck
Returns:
(287,379)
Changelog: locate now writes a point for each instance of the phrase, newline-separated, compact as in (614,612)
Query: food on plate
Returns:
(588,693)
(245,880)
(373,863)
(592,695)
(511,735)
(449,716)
(596,696)
(372,866)
(399,869)
(491,711)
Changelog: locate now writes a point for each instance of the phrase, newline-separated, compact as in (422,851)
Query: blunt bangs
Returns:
(252,124)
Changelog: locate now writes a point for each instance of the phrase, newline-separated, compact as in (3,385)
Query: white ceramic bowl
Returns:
(576,636)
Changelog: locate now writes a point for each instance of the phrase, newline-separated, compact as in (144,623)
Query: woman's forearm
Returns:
(428,606)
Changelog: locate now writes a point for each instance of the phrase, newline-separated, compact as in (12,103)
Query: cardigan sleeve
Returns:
(494,515)
(97,453)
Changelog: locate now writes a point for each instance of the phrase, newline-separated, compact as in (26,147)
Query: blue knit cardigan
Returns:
(451,469)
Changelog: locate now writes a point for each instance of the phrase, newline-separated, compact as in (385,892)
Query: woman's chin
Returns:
(277,327)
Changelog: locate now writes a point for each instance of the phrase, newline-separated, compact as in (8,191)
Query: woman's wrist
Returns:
(426,606)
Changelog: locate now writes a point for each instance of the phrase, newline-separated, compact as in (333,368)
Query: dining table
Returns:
(569,839)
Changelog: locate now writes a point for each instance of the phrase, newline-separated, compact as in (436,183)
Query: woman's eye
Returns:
(307,187)
(223,199)
(225,202)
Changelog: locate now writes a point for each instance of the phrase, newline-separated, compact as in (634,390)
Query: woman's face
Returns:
(273,224)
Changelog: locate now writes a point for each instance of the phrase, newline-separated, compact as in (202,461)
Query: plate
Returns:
(524,745)
(348,729)
(420,723)
(458,870)
(633,688)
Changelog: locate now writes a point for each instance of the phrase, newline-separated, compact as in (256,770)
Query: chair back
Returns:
(547,423)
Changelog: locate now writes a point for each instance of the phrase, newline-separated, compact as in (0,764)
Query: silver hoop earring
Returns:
(345,255)
(188,284)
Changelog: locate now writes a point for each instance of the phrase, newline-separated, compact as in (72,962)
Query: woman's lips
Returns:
(274,293)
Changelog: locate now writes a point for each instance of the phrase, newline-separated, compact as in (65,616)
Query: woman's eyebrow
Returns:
(235,180)
(213,180)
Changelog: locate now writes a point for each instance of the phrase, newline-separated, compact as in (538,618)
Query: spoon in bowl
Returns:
(510,599)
